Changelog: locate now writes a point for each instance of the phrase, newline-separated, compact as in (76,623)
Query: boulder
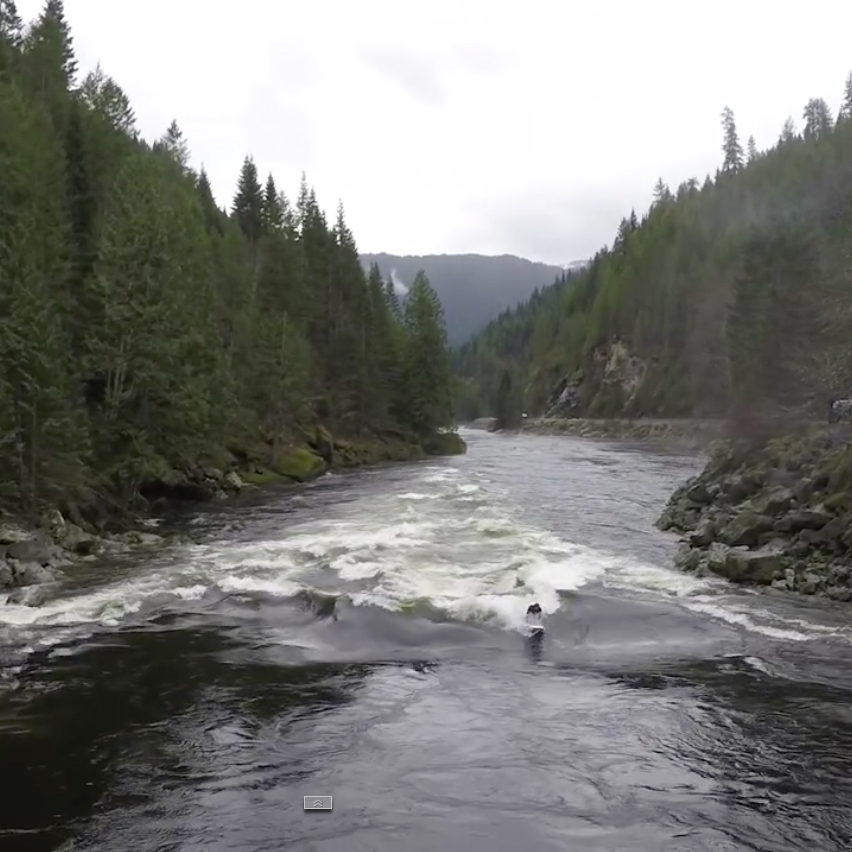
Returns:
(776,502)
(804,519)
(31,574)
(299,464)
(232,481)
(11,533)
(323,443)
(687,558)
(7,577)
(77,540)
(28,596)
(746,528)
(759,567)
(36,551)
(703,534)
(698,493)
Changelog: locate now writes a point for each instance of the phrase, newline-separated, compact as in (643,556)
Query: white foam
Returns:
(758,664)
(653,578)
(730,615)
(249,583)
(424,542)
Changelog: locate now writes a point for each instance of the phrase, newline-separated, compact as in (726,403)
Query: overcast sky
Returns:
(466,125)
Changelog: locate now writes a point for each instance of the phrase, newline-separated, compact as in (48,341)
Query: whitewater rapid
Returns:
(440,537)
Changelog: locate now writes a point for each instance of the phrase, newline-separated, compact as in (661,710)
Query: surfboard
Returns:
(536,630)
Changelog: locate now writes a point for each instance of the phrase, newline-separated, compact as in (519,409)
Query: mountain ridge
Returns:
(474,288)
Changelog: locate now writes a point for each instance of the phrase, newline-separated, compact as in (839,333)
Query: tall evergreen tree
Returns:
(751,148)
(731,145)
(845,112)
(818,120)
(248,201)
(143,330)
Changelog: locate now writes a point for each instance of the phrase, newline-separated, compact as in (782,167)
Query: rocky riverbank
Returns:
(771,513)
(35,554)
(687,433)
(32,558)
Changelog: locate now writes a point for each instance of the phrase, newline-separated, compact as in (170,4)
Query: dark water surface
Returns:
(190,698)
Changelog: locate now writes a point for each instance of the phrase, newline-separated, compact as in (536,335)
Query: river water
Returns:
(188,699)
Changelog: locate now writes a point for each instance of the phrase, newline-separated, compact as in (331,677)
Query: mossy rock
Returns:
(360,452)
(299,464)
(839,501)
(445,444)
(323,444)
(259,476)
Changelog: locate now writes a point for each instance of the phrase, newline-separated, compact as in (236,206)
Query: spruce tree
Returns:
(248,201)
(731,145)
(751,148)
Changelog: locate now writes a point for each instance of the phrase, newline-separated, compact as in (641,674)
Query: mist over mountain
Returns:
(473,288)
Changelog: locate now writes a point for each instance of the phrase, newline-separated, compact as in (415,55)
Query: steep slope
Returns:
(148,337)
(731,298)
(473,288)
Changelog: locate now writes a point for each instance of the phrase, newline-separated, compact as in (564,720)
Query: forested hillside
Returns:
(473,288)
(143,329)
(728,297)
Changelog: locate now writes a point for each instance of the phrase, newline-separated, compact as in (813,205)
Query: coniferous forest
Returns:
(144,330)
(729,298)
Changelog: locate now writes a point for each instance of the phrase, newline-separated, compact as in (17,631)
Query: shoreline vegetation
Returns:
(728,298)
(157,348)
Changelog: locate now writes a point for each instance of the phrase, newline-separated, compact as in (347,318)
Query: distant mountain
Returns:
(473,288)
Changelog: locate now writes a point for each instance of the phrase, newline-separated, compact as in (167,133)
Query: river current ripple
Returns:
(190,697)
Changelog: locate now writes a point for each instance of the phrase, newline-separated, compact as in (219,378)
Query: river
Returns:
(188,699)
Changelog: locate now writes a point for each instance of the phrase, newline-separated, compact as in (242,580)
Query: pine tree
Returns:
(212,213)
(175,146)
(83,209)
(788,131)
(11,36)
(662,194)
(845,112)
(248,201)
(818,120)
(507,404)
(751,147)
(49,42)
(731,146)
(272,211)
(426,364)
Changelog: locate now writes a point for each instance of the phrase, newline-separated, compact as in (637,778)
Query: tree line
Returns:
(143,328)
(735,293)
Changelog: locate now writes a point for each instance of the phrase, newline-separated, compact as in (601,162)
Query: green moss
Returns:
(839,501)
(299,464)
(445,444)
(259,476)
(360,452)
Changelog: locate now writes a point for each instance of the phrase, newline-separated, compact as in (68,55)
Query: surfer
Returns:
(535,640)
(534,618)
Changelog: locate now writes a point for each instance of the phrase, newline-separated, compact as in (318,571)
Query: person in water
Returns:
(535,639)
(534,617)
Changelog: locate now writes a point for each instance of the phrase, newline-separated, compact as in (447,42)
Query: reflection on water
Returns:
(189,702)
(75,725)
